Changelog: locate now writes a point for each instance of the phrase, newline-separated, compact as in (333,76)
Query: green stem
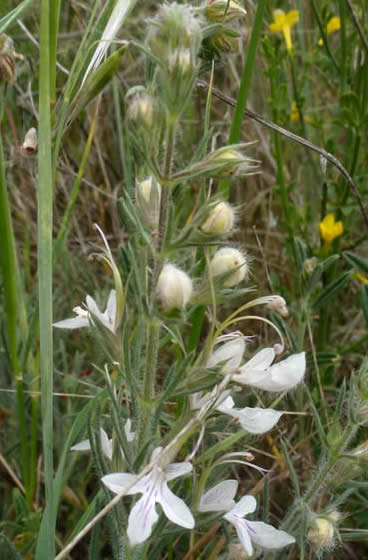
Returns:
(8,263)
(46,542)
(241,103)
(324,36)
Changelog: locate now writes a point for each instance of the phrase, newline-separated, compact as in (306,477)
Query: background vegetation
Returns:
(318,90)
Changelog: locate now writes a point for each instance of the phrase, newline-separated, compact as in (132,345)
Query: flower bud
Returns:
(30,143)
(148,193)
(231,264)
(220,220)
(174,288)
(321,534)
(310,264)
(216,11)
(228,161)
(141,110)
(180,61)
(278,304)
(176,25)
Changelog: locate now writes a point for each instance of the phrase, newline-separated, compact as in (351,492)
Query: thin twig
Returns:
(358,25)
(306,143)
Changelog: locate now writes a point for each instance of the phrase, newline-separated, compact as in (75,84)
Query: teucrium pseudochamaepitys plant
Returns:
(176,394)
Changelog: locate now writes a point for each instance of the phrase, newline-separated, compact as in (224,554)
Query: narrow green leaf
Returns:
(364,301)
(7,550)
(331,289)
(356,261)
(292,472)
(14,15)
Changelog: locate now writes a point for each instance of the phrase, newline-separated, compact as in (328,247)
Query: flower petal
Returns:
(231,352)
(280,377)
(247,504)
(242,532)
(177,469)
(82,446)
(220,497)
(72,323)
(257,420)
(110,312)
(106,444)
(116,482)
(128,430)
(174,508)
(267,536)
(141,519)
(260,361)
(226,405)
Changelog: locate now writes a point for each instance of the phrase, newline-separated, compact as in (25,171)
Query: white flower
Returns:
(221,498)
(154,489)
(85,317)
(106,443)
(231,353)
(253,420)
(282,376)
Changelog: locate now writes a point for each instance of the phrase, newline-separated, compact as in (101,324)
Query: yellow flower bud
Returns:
(229,262)
(220,220)
(174,288)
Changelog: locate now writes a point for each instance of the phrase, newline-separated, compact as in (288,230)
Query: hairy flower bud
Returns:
(141,110)
(321,534)
(231,264)
(176,26)
(148,195)
(278,304)
(174,288)
(220,220)
(216,11)
(180,61)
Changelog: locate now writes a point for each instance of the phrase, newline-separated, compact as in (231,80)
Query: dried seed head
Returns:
(216,11)
(8,57)
(231,264)
(220,220)
(174,288)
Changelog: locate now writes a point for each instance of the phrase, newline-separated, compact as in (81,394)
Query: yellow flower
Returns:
(329,229)
(295,115)
(283,24)
(333,25)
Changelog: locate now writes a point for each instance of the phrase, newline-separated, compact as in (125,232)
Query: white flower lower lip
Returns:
(154,489)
